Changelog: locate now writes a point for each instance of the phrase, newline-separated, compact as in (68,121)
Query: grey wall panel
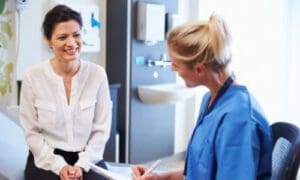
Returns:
(150,127)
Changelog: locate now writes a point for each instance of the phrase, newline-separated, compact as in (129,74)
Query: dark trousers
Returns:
(34,173)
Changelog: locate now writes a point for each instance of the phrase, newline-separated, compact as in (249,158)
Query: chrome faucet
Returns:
(162,62)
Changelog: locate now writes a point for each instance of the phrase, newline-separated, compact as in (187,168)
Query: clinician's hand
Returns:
(138,172)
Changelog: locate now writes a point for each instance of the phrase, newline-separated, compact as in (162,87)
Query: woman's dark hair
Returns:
(58,14)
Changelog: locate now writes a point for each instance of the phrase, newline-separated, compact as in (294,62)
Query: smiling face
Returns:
(66,41)
(191,76)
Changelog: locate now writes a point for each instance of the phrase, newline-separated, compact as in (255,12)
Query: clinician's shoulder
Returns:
(245,100)
(234,103)
(244,107)
(238,98)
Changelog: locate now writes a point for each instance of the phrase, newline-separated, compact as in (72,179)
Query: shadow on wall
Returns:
(14,149)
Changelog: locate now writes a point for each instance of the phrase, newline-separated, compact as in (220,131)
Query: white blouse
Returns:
(49,122)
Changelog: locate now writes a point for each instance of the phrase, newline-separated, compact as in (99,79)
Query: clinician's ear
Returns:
(200,68)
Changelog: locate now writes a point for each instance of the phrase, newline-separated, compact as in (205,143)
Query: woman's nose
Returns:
(71,42)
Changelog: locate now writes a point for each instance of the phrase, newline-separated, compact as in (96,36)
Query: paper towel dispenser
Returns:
(150,22)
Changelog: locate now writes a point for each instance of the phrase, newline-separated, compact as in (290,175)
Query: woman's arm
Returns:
(44,156)
(101,126)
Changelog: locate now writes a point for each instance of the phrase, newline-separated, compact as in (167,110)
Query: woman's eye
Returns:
(61,38)
(77,35)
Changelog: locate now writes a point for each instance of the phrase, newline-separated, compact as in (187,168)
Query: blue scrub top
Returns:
(232,141)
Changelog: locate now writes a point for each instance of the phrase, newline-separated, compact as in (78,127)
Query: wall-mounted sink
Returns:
(164,93)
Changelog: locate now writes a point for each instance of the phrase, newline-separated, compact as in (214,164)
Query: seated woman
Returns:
(65,107)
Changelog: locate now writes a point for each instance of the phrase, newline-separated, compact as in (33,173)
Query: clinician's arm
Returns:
(237,149)
(94,149)
(44,156)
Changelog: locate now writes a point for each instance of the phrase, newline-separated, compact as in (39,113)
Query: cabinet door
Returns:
(112,147)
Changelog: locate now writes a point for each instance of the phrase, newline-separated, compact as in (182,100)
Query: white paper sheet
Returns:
(108,174)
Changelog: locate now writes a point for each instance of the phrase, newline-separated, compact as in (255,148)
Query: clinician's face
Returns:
(190,76)
(66,41)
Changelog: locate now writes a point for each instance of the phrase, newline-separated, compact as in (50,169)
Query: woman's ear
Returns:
(48,42)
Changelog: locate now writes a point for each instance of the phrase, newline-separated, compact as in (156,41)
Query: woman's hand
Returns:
(78,172)
(64,172)
(139,171)
(70,173)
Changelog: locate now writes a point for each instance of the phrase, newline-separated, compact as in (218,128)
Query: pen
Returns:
(154,165)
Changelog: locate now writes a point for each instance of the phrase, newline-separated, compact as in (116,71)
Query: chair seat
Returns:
(286,151)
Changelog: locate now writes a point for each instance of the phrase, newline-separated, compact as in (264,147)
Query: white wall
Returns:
(262,52)
(186,112)
(292,56)
(32,47)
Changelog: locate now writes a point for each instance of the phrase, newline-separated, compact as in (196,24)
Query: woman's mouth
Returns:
(71,51)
